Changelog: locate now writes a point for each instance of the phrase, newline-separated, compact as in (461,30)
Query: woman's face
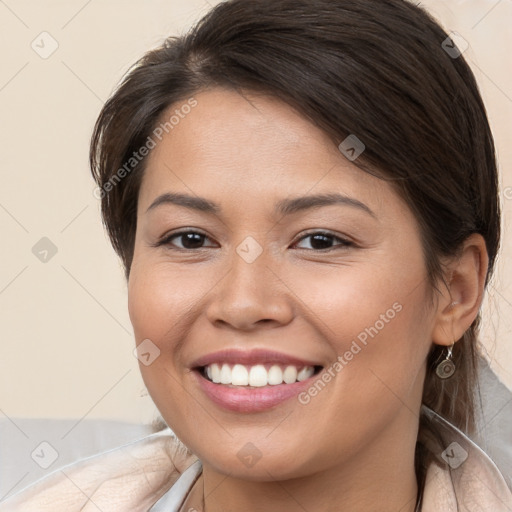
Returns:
(279,287)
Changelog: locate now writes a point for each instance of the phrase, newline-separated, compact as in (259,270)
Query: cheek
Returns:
(375,321)
(164,303)
(379,330)
(363,302)
(159,299)
(158,303)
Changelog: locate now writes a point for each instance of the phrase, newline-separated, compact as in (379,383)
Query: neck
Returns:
(382,477)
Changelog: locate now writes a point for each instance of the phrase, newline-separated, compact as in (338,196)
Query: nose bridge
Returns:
(249,269)
(250,292)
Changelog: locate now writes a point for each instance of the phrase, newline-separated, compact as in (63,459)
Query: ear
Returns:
(458,305)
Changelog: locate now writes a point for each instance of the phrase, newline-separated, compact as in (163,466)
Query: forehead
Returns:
(248,148)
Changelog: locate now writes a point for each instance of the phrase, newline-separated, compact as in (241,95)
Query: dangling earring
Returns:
(446,368)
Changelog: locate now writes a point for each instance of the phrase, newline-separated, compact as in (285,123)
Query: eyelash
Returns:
(344,242)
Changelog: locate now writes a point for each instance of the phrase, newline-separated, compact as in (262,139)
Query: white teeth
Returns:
(215,372)
(275,375)
(225,374)
(305,373)
(290,374)
(240,375)
(257,375)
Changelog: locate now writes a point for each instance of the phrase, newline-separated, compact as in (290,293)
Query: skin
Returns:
(352,446)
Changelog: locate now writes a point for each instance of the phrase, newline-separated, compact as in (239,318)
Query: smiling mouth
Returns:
(256,376)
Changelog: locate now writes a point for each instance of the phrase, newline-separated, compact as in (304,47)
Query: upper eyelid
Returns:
(167,237)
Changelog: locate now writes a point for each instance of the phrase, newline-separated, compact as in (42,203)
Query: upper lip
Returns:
(251,357)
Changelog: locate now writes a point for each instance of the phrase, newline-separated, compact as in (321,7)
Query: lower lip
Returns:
(242,399)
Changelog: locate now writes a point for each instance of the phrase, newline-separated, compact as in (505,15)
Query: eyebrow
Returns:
(284,206)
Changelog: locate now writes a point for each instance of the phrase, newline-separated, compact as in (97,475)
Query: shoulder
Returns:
(129,478)
(460,476)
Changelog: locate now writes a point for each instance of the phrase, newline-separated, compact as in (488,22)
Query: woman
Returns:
(304,198)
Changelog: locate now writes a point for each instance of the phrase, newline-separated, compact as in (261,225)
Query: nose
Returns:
(250,296)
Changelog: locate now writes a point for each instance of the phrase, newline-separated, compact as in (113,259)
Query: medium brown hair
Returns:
(379,70)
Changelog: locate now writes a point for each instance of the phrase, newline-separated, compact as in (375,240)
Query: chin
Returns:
(259,461)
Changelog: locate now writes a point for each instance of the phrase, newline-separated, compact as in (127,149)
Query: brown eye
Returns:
(321,240)
(190,240)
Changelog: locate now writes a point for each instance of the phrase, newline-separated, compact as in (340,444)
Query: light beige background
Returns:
(66,338)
